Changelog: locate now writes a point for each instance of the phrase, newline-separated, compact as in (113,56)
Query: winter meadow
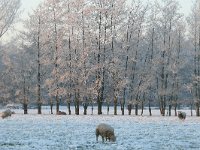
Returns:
(71,65)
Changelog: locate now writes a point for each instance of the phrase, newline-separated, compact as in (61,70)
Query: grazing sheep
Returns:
(105,131)
(6,113)
(181,115)
(61,113)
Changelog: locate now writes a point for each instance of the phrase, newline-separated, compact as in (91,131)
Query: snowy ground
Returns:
(71,132)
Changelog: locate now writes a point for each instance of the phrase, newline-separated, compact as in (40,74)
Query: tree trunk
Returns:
(57,104)
(151,64)
(85,108)
(56,60)
(170,107)
(77,103)
(136,109)
(197,109)
(126,68)
(39,108)
(102,91)
(51,106)
(77,107)
(25,108)
(175,109)
(25,101)
(99,101)
(162,111)
(69,100)
(162,106)
(122,109)
(108,108)
(142,108)
(129,109)
(150,114)
(115,105)
(69,108)
(39,68)
(92,109)
(85,111)
(122,106)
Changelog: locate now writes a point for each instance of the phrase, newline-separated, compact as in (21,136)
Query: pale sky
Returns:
(29,5)
(186,6)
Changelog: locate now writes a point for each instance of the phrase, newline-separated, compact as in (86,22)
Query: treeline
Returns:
(105,52)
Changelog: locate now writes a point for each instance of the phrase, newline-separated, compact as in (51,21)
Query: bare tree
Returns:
(194,24)
(133,40)
(9,10)
(166,25)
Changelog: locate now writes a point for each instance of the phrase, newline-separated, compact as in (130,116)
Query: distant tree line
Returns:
(115,53)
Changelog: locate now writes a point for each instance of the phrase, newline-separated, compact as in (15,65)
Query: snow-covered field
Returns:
(71,132)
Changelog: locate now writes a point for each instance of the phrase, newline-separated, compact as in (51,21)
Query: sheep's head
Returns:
(113,138)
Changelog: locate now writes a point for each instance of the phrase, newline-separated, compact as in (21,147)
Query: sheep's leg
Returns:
(97,134)
(109,139)
(97,138)
(102,138)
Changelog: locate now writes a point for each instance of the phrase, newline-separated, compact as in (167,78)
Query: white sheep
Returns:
(61,113)
(105,131)
(6,113)
(181,115)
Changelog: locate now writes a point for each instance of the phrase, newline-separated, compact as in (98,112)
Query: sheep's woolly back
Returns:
(104,126)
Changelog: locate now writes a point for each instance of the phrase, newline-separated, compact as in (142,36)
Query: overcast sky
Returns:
(28,5)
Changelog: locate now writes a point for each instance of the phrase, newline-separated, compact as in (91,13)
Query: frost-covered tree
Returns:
(166,24)
(9,10)
(107,21)
(36,38)
(132,46)
(194,23)
(111,52)
(7,77)
(25,90)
